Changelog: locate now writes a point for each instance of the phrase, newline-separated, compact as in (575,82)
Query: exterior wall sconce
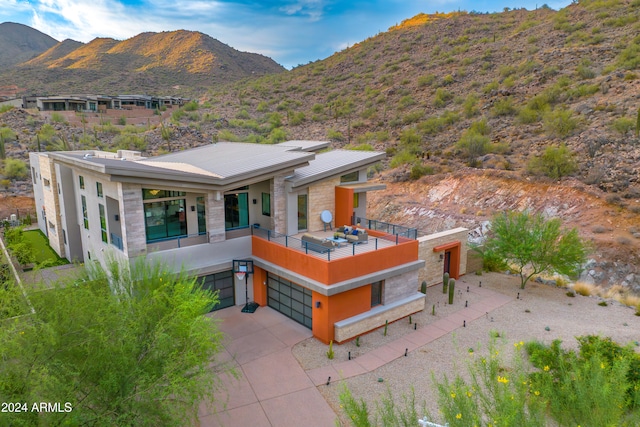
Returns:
(255,201)
(116,217)
(317,304)
(193,208)
(441,257)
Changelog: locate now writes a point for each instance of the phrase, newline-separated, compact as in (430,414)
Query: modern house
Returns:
(97,103)
(278,206)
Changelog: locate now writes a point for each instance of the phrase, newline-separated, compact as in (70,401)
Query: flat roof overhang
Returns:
(362,187)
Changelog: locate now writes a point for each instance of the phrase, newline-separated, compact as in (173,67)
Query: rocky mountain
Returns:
(19,43)
(183,62)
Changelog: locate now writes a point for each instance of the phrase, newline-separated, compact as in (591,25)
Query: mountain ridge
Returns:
(189,59)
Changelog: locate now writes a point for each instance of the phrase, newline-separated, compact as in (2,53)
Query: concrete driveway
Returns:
(273,389)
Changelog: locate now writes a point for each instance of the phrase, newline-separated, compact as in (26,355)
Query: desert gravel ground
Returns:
(525,318)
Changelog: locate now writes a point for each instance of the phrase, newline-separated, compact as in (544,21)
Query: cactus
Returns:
(452,286)
(330,353)
(358,341)
(423,287)
(386,325)
(445,282)
(433,310)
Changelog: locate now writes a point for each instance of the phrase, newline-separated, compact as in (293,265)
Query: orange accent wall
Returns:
(337,270)
(454,261)
(336,308)
(344,206)
(259,288)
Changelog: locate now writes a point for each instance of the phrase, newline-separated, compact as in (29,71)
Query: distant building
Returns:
(275,205)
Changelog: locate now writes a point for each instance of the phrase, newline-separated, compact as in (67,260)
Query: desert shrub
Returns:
(227,135)
(427,80)
(335,135)
(277,135)
(555,162)
(130,142)
(473,145)
(623,125)
(470,105)
(5,108)
(490,87)
(441,97)
(190,106)
(585,72)
(560,122)
(297,118)
(503,107)
(419,170)
(243,114)
(528,115)
(57,118)
(15,169)
(629,58)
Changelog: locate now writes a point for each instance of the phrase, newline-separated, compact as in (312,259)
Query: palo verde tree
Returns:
(534,244)
(127,347)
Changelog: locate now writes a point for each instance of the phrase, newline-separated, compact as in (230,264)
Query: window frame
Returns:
(85,213)
(266,204)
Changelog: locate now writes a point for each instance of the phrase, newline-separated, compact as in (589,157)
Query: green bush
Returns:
(191,106)
(15,169)
(503,107)
(560,122)
(335,135)
(419,170)
(623,125)
(555,162)
(441,97)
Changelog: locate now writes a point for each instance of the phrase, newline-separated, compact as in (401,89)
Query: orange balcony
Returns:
(349,261)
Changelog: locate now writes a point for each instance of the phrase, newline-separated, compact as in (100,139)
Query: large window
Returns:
(236,210)
(302,212)
(99,189)
(202,216)
(165,219)
(356,200)
(103,223)
(85,215)
(81,181)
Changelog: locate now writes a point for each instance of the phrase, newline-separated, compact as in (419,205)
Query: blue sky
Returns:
(292,32)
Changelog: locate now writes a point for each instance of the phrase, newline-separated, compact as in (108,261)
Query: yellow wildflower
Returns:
(503,380)
(459,416)
(546,368)
(537,393)
(453,395)
(468,394)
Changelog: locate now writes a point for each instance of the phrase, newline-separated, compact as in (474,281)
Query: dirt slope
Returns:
(471,197)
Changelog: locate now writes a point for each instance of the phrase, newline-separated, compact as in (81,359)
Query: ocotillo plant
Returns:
(445,282)
(452,286)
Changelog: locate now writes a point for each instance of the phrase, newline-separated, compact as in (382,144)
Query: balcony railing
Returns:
(374,243)
(385,227)
(116,241)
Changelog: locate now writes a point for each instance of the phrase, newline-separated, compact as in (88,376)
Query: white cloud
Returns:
(314,9)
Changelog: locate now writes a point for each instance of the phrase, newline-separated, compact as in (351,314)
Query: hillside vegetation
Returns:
(478,113)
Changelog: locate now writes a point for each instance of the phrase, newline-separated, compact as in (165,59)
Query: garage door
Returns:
(223,283)
(290,299)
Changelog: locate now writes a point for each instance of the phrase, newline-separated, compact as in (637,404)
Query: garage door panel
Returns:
(222,283)
(290,299)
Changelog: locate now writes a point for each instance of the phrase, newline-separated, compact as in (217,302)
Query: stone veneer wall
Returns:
(350,329)
(433,268)
(278,204)
(322,196)
(52,205)
(133,227)
(399,287)
(215,216)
